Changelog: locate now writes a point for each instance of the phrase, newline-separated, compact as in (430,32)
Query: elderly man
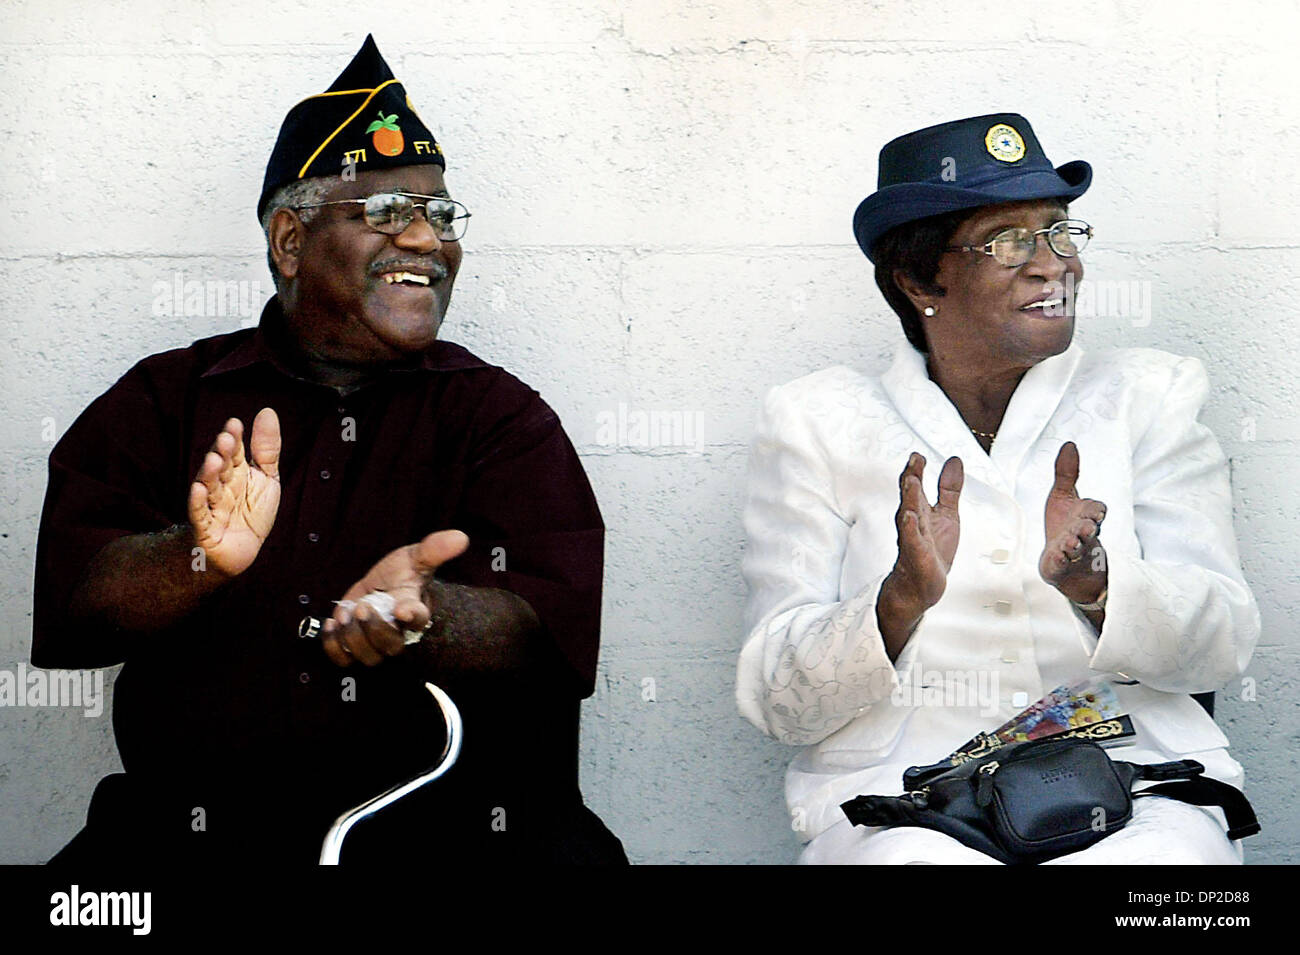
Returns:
(188,546)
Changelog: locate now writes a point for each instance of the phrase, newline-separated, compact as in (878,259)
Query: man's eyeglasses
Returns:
(1015,247)
(392,212)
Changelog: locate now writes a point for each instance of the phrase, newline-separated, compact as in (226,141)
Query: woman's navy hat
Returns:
(364,120)
(980,161)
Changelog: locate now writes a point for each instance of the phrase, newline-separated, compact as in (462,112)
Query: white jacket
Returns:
(823,492)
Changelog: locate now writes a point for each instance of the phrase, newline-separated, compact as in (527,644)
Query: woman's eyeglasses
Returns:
(1014,247)
(392,212)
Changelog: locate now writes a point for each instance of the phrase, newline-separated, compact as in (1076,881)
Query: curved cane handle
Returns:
(333,845)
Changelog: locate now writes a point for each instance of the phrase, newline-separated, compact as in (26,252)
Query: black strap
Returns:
(1199,790)
(1204,791)
(902,811)
(879,811)
(1178,769)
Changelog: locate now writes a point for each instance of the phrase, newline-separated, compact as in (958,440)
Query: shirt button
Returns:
(1020,699)
(1009,655)
(324,475)
(313,537)
(1001,556)
(304,599)
(1003,607)
(304,678)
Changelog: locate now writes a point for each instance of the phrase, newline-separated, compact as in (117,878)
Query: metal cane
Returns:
(333,845)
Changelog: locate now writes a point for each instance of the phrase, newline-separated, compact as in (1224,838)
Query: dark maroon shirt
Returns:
(231,706)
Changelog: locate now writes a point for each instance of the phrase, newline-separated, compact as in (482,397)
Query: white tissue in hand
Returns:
(384,604)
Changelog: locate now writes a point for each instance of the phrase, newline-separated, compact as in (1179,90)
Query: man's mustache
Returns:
(436,270)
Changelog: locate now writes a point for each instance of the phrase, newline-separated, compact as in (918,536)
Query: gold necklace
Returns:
(981,434)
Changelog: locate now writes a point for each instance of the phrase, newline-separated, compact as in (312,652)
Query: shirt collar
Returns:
(266,346)
(935,419)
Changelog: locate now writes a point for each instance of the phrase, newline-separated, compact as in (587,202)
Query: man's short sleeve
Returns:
(108,478)
(534,525)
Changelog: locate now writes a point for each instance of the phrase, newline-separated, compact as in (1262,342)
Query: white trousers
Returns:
(1161,832)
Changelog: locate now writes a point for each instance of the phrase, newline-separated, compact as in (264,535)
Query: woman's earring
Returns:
(929,311)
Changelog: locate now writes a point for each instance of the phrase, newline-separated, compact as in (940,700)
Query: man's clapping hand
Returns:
(360,633)
(233,501)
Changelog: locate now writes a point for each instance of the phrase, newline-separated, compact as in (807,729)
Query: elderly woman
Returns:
(925,548)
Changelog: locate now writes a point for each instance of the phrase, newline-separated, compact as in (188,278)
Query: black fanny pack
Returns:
(1033,801)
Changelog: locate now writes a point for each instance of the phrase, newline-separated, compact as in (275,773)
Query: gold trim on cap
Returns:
(305,166)
(334,93)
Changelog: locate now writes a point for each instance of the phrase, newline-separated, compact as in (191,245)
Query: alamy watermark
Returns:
(1102,298)
(209,298)
(77,907)
(935,688)
(77,689)
(638,428)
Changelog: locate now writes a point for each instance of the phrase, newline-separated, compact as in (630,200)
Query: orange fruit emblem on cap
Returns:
(388,136)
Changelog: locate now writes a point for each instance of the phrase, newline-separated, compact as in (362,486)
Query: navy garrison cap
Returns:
(980,161)
(364,118)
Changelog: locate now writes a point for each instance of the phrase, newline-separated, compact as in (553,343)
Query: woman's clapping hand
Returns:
(927,544)
(1073,560)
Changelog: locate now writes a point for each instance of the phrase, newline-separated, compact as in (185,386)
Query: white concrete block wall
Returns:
(662,194)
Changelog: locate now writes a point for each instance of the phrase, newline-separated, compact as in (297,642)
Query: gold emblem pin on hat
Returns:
(1004,143)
